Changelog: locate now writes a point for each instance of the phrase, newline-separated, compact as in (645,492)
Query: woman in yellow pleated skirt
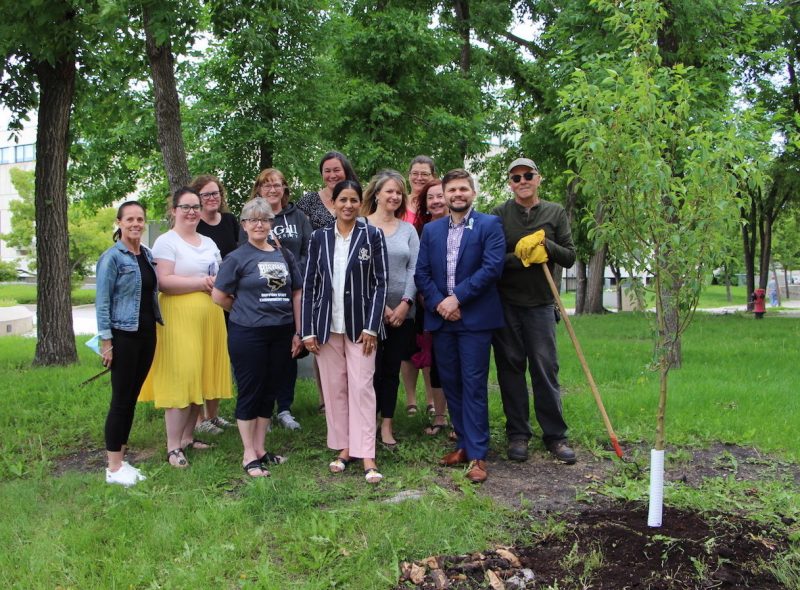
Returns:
(191,363)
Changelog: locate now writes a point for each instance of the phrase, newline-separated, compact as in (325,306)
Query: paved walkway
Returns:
(84,322)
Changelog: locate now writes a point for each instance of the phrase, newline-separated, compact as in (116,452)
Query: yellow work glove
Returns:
(531,250)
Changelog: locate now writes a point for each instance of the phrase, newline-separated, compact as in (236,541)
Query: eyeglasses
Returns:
(527,176)
(206,196)
(420,175)
(272,187)
(187,208)
(256,221)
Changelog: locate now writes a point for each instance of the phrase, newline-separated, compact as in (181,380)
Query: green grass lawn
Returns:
(19,294)
(207,527)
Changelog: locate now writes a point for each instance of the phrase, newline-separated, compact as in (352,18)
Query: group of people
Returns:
(376,284)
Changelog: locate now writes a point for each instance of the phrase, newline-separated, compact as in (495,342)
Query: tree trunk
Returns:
(618,280)
(786,273)
(596,281)
(55,343)
(668,327)
(580,287)
(765,230)
(749,247)
(462,17)
(266,106)
(167,107)
(463,27)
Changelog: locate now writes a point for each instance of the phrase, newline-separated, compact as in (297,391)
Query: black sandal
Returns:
(435,429)
(253,465)
(270,459)
(178,453)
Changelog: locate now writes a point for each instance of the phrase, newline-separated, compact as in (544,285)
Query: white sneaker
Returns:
(139,475)
(123,476)
(287,420)
(208,427)
(221,422)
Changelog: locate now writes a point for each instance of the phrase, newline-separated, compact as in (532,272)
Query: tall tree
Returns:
(41,43)
(405,91)
(662,164)
(166,23)
(771,85)
(264,93)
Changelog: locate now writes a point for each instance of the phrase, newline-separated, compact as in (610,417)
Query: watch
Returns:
(408,300)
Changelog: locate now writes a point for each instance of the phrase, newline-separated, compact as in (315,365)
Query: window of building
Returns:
(25,153)
(6,155)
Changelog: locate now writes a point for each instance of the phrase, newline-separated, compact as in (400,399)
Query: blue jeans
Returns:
(529,338)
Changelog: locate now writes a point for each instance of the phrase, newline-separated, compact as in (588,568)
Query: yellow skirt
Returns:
(191,363)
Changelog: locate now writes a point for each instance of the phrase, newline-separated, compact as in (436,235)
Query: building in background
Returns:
(17,150)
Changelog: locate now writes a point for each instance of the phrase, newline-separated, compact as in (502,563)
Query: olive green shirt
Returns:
(527,287)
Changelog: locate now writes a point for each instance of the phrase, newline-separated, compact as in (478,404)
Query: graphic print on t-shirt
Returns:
(275,274)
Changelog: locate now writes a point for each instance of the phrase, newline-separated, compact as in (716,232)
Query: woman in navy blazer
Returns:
(344,293)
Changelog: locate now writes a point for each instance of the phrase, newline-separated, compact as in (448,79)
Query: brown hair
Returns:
(374,187)
(198,182)
(423,215)
(262,179)
(457,174)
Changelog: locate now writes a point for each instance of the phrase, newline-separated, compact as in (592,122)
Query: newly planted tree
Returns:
(665,168)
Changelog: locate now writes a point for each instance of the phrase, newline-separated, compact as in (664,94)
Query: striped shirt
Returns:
(454,235)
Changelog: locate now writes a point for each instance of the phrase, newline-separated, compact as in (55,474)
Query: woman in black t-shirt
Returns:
(217,223)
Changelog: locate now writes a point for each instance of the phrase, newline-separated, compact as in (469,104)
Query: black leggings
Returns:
(387,366)
(132,357)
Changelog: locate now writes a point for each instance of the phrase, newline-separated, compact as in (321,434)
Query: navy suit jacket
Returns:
(479,266)
(365,283)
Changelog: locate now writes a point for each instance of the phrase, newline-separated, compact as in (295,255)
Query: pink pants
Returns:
(350,406)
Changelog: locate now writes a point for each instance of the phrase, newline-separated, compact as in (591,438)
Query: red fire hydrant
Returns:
(759,303)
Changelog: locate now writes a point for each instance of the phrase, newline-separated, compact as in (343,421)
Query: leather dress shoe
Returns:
(477,471)
(518,450)
(457,457)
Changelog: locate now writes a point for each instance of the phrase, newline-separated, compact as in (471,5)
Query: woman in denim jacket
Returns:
(127,312)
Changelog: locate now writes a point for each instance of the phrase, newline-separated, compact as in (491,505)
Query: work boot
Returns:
(518,450)
(561,451)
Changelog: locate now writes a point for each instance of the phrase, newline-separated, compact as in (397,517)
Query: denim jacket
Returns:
(119,290)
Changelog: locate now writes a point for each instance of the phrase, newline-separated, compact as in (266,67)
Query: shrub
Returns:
(8,271)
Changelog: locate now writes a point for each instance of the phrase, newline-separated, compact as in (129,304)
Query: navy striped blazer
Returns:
(365,283)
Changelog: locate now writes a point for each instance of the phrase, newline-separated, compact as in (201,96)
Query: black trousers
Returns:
(391,351)
(132,356)
(260,357)
(528,340)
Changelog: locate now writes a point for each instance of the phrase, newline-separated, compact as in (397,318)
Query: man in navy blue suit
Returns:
(460,261)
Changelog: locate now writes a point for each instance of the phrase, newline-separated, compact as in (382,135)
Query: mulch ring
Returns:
(614,549)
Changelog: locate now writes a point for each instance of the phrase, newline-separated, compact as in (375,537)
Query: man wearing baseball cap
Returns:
(537,232)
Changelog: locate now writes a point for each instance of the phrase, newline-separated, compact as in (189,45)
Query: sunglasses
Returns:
(527,176)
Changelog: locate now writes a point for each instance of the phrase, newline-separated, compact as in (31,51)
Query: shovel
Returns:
(582,359)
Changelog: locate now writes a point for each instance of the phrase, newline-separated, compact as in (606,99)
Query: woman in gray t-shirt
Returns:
(261,287)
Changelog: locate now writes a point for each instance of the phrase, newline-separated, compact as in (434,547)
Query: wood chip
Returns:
(509,557)
(417,574)
(432,562)
(405,570)
(494,581)
(439,579)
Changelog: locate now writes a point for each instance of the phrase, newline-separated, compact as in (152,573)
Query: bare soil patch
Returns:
(613,549)
(608,545)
